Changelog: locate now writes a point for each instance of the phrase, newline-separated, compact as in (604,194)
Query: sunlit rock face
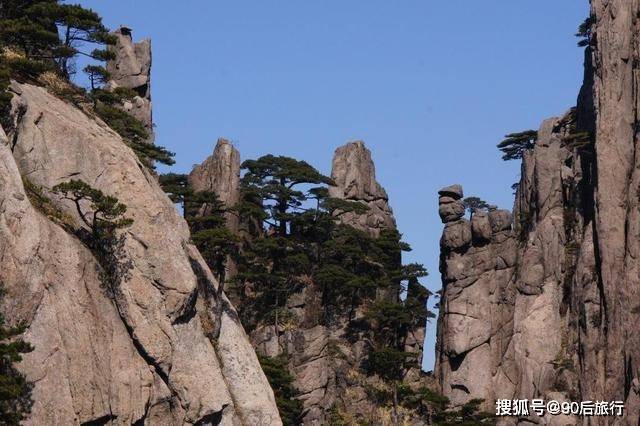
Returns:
(165,345)
(548,313)
(131,69)
(354,174)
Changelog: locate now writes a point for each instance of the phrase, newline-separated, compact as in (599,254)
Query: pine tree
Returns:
(206,218)
(103,215)
(281,382)
(98,75)
(585,32)
(274,182)
(475,204)
(15,390)
(516,144)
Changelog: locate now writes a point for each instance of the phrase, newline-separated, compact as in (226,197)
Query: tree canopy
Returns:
(47,35)
(516,144)
(475,204)
(585,31)
(15,390)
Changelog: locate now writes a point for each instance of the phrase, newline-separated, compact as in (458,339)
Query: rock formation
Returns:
(354,174)
(166,347)
(476,262)
(549,310)
(131,69)
(220,173)
(324,361)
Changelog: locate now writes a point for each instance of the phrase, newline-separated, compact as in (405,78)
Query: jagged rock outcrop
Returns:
(477,265)
(167,348)
(568,312)
(220,173)
(323,359)
(131,69)
(354,174)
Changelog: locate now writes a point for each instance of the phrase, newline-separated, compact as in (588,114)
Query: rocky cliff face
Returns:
(323,359)
(354,174)
(550,312)
(166,347)
(220,173)
(131,69)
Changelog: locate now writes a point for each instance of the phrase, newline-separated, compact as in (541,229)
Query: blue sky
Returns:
(430,86)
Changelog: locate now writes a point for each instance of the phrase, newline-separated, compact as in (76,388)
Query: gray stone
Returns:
(453,191)
(456,235)
(131,69)
(168,348)
(451,212)
(500,220)
(354,174)
(481,227)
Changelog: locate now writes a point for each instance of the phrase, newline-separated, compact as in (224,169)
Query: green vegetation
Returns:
(585,32)
(205,214)
(293,240)
(131,130)
(515,145)
(46,35)
(281,382)
(15,390)
(388,321)
(281,195)
(38,36)
(474,205)
(103,217)
(436,409)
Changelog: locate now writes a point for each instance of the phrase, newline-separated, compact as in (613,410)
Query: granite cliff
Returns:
(324,359)
(164,346)
(546,305)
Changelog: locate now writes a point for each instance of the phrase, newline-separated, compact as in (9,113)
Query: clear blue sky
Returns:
(430,86)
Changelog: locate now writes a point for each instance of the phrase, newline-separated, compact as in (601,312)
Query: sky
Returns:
(430,86)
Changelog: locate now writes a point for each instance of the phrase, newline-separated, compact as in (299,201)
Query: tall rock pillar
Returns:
(131,69)
(220,173)
(354,173)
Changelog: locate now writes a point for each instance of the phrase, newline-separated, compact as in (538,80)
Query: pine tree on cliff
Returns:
(391,319)
(290,199)
(276,182)
(276,193)
(516,144)
(15,390)
(585,32)
(281,382)
(47,35)
(205,215)
(475,204)
(45,31)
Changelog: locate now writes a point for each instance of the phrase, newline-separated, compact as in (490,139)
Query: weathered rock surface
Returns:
(354,173)
(168,347)
(323,359)
(556,318)
(220,173)
(131,69)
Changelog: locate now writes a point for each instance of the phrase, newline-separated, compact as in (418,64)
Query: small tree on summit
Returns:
(474,204)
(515,144)
(274,183)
